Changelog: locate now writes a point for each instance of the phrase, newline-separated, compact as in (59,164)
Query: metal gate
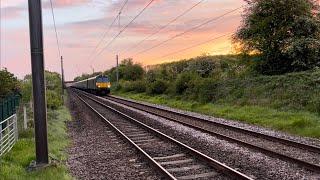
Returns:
(8,134)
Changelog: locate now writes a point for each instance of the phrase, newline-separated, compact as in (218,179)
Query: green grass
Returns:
(13,165)
(300,123)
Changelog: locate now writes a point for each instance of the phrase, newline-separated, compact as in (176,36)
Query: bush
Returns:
(183,81)
(207,90)
(136,86)
(127,86)
(140,86)
(54,101)
(157,87)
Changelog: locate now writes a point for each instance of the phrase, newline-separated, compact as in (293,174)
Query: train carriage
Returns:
(99,85)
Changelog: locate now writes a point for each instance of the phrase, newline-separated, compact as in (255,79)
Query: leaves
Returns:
(282,32)
(8,83)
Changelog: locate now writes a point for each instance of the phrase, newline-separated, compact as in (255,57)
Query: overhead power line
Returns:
(123,29)
(196,45)
(189,30)
(107,30)
(55,28)
(163,27)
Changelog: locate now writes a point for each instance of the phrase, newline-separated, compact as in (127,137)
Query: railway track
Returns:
(174,159)
(304,155)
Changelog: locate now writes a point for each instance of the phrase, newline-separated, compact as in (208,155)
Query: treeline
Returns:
(12,85)
(9,84)
(277,66)
(223,79)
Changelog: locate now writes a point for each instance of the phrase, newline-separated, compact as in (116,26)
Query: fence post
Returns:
(0,134)
(25,118)
(15,125)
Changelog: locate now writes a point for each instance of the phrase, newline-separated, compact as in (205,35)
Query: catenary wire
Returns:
(122,30)
(55,28)
(196,45)
(166,25)
(107,31)
(189,30)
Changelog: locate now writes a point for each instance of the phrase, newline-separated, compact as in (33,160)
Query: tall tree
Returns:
(286,33)
(8,83)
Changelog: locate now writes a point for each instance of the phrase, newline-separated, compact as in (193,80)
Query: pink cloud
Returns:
(64,3)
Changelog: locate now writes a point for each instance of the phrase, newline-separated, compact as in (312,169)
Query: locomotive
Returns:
(99,85)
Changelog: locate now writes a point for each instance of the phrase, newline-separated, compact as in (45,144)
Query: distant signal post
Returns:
(37,63)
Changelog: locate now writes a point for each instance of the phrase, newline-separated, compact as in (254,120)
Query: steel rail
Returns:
(310,166)
(214,163)
(241,130)
(150,159)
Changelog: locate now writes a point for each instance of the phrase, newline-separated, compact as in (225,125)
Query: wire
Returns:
(163,27)
(196,45)
(189,30)
(107,31)
(55,28)
(123,29)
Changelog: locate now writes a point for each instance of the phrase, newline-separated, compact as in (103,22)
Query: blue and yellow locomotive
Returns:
(99,85)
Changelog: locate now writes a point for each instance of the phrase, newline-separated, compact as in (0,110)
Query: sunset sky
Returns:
(81,24)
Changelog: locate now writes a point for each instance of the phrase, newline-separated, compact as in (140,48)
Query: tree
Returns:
(285,33)
(8,83)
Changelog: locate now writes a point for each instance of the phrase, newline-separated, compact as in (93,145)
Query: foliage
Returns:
(54,100)
(285,33)
(140,86)
(8,83)
(14,164)
(136,86)
(53,89)
(128,71)
(157,87)
(183,81)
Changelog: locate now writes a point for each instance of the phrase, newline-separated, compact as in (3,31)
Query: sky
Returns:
(82,23)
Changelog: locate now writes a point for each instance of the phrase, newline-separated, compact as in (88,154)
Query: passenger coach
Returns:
(99,85)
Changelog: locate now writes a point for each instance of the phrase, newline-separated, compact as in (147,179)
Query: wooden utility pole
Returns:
(38,82)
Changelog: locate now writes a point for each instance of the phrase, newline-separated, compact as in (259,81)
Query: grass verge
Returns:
(13,164)
(300,123)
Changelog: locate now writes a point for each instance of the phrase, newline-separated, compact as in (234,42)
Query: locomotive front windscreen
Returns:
(102,79)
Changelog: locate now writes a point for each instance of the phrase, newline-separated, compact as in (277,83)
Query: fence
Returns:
(8,123)
(8,106)
(8,133)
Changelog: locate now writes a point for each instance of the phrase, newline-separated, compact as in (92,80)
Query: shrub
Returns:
(54,101)
(157,87)
(136,86)
(140,86)
(207,90)
(184,81)
(127,86)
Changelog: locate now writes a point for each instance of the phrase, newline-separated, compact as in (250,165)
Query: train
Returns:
(99,85)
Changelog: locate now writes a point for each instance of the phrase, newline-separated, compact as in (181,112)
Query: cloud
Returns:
(64,3)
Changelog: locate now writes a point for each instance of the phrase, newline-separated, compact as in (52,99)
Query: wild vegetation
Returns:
(274,82)
(286,35)
(15,163)
(276,73)
(53,89)
(9,84)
